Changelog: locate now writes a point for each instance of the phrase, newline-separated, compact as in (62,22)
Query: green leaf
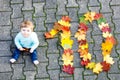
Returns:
(82,20)
(99,21)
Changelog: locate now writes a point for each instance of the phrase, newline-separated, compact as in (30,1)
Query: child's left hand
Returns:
(31,50)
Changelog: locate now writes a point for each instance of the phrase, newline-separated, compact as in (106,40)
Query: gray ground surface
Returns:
(43,13)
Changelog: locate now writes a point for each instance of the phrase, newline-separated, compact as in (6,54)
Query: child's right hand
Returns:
(21,49)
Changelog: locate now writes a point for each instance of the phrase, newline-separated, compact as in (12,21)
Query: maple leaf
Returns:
(66,43)
(104,53)
(83,51)
(68,51)
(65,35)
(90,65)
(101,20)
(106,66)
(83,46)
(68,69)
(111,39)
(84,62)
(57,26)
(107,46)
(80,36)
(48,35)
(106,34)
(82,20)
(67,59)
(103,25)
(66,18)
(88,17)
(82,42)
(98,68)
(108,59)
(65,29)
(83,26)
(53,32)
(64,23)
(86,56)
(92,15)
(97,16)
(106,29)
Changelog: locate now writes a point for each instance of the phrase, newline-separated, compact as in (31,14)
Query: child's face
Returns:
(26,32)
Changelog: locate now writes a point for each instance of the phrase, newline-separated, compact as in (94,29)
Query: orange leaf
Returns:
(111,39)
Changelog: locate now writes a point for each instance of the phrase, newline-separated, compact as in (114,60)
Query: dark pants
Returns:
(17,53)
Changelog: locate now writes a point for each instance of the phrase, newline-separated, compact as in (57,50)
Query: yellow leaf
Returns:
(67,59)
(65,35)
(106,34)
(53,32)
(66,41)
(92,15)
(107,46)
(83,46)
(64,23)
(108,59)
(98,68)
(104,53)
(88,17)
(90,65)
(86,56)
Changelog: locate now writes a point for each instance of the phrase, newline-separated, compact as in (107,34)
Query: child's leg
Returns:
(34,55)
(16,54)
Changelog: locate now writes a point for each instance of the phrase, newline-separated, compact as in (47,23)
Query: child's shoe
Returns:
(12,60)
(36,62)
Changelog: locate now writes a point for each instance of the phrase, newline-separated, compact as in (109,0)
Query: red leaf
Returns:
(66,18)
(83,26)
(68,51)
(97,16)
(81,42)
(106,66)
(84,63)
(48,35)
(68,69)
(65,29)
(106,29)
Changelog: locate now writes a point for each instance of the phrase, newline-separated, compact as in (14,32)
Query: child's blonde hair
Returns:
(27,24)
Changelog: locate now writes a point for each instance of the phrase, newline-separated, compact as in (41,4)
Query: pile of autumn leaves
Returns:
(63,25)
(106,45)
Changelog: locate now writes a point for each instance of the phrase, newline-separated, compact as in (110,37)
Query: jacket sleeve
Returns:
(35,41)
(17,41)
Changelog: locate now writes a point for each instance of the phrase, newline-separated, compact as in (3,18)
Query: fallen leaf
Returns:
(108,59)
(83,27)
(67,59)
(90,65)
(88,17)
(106,66)
(98,68)
(84,62)
(82,20)
(64,23)
(101,20)
(66,18)
(97,16)
(68,69)
(106,34)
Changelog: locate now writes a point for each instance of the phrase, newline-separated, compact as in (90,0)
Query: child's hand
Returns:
(31,50)
(21,49)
